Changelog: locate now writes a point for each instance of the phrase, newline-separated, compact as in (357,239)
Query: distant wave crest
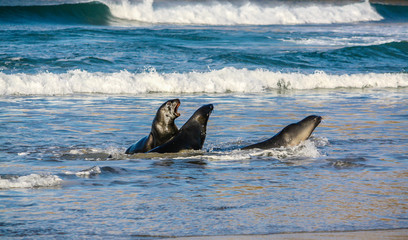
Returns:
(216,12)
(92,13)
(241,12)
(215,81)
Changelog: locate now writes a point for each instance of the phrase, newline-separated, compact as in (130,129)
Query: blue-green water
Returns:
(80,82)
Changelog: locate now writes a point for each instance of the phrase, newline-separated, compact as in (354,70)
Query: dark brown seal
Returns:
(291,135)
(163,128)
(191,135)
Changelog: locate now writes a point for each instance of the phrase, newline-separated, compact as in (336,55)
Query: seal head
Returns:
(291,135)
(191,135)
(163,128)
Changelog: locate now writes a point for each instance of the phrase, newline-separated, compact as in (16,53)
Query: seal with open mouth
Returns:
(163,128)
(291,135)
(191,135)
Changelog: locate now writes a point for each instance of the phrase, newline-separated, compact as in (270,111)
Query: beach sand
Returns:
(396,234)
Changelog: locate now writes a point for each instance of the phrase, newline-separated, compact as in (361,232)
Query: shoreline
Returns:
(390,234)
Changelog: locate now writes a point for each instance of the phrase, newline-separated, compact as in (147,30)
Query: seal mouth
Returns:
(176,109)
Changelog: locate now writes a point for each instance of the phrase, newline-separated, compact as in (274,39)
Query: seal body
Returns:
(163,128)
(191,135)
(291,135)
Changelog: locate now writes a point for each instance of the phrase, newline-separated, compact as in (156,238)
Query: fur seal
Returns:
(191,135)
(163,128)
(291,135)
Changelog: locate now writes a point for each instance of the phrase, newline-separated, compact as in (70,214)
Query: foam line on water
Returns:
(92,171)
(216,81)
(241,12)
(30,181)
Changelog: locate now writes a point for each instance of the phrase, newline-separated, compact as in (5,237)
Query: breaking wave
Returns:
(242,12)
(93,13)
(216,81)
(221,12)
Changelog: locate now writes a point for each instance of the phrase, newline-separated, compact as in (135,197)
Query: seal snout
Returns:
(314,118)
(210,108)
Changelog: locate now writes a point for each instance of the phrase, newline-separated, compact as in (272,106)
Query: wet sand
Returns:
(397,234)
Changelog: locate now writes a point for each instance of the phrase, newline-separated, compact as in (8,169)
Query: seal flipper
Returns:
(141,146)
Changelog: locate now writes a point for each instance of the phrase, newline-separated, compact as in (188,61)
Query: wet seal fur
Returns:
(191,135)
(163,128)
(291,135)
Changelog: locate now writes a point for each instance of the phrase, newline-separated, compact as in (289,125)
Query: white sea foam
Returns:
(95,170)
(305,152)
(343,41)
(308,149)
(30,181)
(235,155)
(216,81)
(241,12)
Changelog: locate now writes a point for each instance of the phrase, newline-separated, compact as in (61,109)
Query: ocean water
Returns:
(81,81)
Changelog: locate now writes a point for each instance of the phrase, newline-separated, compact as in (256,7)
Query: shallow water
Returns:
(350,175)
(81,82)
